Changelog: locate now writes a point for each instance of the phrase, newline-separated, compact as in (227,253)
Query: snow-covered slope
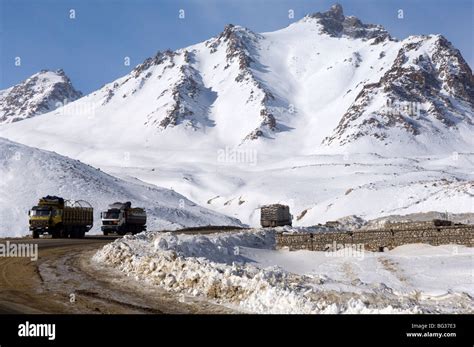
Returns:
(26,174)
(38,94)
(322,187)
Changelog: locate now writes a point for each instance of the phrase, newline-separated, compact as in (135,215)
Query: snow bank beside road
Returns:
(242,270)
(208,266)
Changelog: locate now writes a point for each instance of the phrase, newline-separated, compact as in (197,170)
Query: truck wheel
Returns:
(35,234)
(77,233)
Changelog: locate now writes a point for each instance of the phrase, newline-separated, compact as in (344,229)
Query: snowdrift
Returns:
(243,271)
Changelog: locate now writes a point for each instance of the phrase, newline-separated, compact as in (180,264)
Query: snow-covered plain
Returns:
(245,272)
(28,173)
(319,187)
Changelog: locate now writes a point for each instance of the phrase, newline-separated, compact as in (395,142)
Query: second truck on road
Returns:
(122,218)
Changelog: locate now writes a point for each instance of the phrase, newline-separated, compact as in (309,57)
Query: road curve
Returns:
(63,280)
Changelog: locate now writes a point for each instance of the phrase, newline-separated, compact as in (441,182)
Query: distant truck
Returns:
(60,218)
(275,215)
(121,218)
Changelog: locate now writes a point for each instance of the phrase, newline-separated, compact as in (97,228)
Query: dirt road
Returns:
(63,280)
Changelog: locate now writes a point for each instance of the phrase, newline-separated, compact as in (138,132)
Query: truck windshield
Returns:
(40,212)
(110,215)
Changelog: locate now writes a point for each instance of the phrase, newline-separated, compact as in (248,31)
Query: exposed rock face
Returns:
(38,94)
(241,46)
(335,24)
(239,42)
(416,94)
(183,93)
(140,72)
(159,58)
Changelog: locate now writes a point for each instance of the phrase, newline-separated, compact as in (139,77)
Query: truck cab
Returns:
(54,216)
(112,220)
(40,218)
(121,218)
(46,216)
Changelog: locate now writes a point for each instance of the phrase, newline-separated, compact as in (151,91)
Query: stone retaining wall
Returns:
(378,240)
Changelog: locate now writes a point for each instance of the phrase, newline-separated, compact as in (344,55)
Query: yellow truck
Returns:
(60,218)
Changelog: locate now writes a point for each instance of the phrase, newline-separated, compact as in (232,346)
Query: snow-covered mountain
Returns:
(29,173)
(329,115)
(325,82)
(40,93)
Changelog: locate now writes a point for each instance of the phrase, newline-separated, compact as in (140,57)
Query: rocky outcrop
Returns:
(416,94)
(38,94)
(186,89)
(188,105)
(335,24)
(159,58)
(241,46)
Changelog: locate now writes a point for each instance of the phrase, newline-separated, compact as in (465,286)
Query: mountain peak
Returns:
(42,92)
(336,12)
(60,72)
(238,41)
(334,23)
(236,30)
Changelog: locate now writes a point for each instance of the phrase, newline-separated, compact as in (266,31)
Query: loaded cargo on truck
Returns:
(60,218)
(122,218)
(275,215)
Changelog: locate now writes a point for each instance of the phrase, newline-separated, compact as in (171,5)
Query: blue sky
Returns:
(91,48)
